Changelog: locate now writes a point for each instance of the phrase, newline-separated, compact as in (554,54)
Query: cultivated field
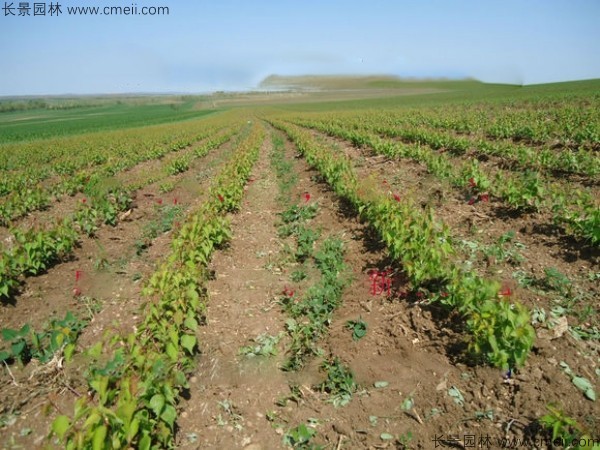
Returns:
(358,264)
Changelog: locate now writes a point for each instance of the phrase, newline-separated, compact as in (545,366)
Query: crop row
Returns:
(567,121)
(576,209)
(501,330)
(32,251)
(135,390)
(31,198)
(518,156)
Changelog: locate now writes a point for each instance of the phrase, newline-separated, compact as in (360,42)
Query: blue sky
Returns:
(232,44)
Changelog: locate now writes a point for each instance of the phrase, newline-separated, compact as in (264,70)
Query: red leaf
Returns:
(78,274)
(83,200)
(288,292)
(397,197)
(306,197)
(505,291)
(484,197)
(159,201)
(472,200)
(444,294)
(221,198)
(472,182)
(76,292)
(175,201)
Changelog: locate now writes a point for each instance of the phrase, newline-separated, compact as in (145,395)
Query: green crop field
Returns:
(329,262)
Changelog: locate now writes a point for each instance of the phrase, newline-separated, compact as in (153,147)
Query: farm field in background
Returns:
(355,263)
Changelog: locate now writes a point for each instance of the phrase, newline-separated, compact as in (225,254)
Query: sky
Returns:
(212,45)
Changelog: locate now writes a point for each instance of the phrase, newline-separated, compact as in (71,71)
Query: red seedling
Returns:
(76,292)
(288,292)
(159,201)
(221,198)
(472,201)
(505,292)
(83,200)
(381,281)
(78,274)
(484,198)
(397,197)
(306,197)
(175,201)
(472,182)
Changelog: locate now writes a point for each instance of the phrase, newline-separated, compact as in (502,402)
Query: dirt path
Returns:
(241,307)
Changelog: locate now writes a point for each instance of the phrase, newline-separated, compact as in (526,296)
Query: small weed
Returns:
(177,166)
(300,438)
(523,278)
(299,213)
(25,344)
(566,429)
(295,396)
(340,384)
(298,275)
(405,439)
(232,415)
(306,238)
(358,328)
(502,250)
(557,281)
(166,187)
(265,345)
(167,216)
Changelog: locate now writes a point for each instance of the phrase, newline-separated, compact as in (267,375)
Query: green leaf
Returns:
(69,350)
(188,342)
(60,426)
(191,323)
(172,351)
(95,351)
(169,415)
(134,427)
(99,437)
(456,395)
(584,385)
(9,334)
(156,404)
(408,404)
(18,348)
(145,443)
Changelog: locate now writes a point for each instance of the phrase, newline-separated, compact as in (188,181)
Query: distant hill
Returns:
(345,82)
